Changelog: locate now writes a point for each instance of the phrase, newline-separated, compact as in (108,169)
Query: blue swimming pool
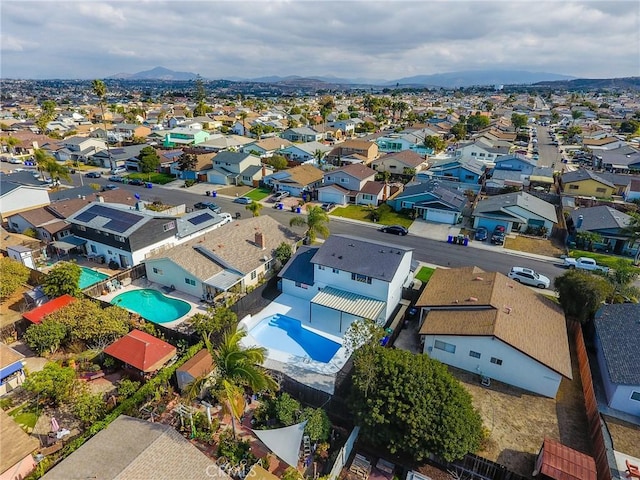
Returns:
(286,334)
(89,277)
(152,305)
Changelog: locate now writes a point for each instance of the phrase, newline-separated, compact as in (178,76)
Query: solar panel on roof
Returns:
(203,217)
(117,151)
(86,216)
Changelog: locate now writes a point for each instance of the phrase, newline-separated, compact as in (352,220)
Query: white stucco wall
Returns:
(168,273)
(517,369)
(621,399)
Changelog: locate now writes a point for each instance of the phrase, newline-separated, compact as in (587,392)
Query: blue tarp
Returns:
(10,370)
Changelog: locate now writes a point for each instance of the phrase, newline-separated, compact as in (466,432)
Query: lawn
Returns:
(424,274)
(26,416)
(158,178)
(540,246)
(258,194)
(359,212)
(600,258)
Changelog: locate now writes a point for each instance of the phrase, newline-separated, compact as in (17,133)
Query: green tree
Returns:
(243,116)
(54,383)
(187,161)
(278,162)
(254,207)
(621,277)
(11,143)
(257,130)
(435,143)
(45,337)
(519,121)
(317,223)
(13,275)
(286,409)
(283,253)
(100,90)
(581,294)
(576,115)
(417,407)
(318,425)
(63,278)
(573,130)
(88,408)
(318,155)
(127,387)
(459,131)
(214,322)
(148,160)
(295,110)
(477,122)
(201,108)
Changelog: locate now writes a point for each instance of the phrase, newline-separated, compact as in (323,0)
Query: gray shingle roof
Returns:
(358,255)
(601,217)
(618,327)
(299,268)
(521,199)
(583,174)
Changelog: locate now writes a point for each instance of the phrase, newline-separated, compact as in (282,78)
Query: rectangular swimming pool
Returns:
(89,277)
(287,334)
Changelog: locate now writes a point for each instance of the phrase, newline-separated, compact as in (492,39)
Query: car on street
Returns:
(109,186)
(93,175)
(327,206)
(15,161)
(116,178)
(395,229)
(242,200)
(278,196)
(116,171)
(136,181)
(210,205)
(526,276)
(498,235)
(481,234)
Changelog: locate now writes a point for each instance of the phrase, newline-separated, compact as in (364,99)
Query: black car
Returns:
(395,229)
(211,206)
(481,234)
(498,235)
(109,186)
(93,175)
(136,181)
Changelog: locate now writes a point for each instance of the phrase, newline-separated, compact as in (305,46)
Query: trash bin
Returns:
(298,210)
(207,193)
(450,239)
(465,242)
(214,193)
(455,240)
(280,206)
(149,185)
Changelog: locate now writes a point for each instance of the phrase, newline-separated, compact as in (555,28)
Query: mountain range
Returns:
(446,80)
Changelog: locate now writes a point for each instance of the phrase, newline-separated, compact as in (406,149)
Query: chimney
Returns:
(100,198)
(260,240)
(264,171)
(580,220)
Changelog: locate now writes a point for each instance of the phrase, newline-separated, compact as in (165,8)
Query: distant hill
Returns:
(479,77)
(157,73)
(593,83)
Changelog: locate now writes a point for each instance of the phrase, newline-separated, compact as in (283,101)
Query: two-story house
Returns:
(79,149)
(180,136)
(301,135)
(481,151)
(351,184)
(347,127)
(463,170)
(367,150)
(405,162)
(127,131)
(345,279)
(235,168)
(585,182)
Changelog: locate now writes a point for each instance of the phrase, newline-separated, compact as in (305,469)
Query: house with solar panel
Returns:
(118,157)
(112,232)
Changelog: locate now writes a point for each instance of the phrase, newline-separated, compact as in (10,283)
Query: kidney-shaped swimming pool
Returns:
(152,305)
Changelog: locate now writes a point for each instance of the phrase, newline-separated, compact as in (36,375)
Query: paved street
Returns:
(549,154)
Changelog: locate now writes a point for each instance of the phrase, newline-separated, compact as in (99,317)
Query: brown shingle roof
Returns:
(408,157)
(470,301)
(8,356)
(599,141)
(356,170)
(15,444)
(66,208)
(304,175)
(200,364)
(273,143)
(372,188)
(37,216)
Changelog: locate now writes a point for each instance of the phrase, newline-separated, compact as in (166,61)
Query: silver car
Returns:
(527,276)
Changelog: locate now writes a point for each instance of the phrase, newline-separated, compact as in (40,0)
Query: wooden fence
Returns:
(593,415)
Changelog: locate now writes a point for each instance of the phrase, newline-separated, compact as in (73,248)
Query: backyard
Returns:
(362,213)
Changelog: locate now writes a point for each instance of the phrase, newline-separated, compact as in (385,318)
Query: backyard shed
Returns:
(198,365)
(559,462)
(37,314)
(143,354)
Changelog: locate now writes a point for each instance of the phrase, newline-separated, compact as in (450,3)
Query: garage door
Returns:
(329,197)
(490,224)
(441,216)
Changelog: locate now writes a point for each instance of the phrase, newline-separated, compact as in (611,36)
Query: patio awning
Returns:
(10,369)
(284,442)
(224,280)
(352,303)
(68,243)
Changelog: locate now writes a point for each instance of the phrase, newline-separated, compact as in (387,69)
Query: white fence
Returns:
(343,454)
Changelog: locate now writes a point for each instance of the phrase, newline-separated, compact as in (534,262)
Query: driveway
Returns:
(434,231)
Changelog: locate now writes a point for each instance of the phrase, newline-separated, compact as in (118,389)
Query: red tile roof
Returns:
(563,463)
(37,314)
(142,351)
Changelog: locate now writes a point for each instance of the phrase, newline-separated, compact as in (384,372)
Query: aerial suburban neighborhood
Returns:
(319,278)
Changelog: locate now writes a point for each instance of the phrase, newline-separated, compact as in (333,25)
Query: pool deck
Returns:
(197,306)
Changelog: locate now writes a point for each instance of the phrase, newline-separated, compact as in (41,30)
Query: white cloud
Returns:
(10,43)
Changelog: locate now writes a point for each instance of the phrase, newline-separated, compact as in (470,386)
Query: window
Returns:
(335,270)
(253,275)
(119,238)
(344,180)
(82,228)
(481,155)
(189,281)
(473,154)
(169,226)
(474,354)
(94,249)
(635,396)
(158,271)
(360,278)
(302,285)
(320,267)
(447,347)
(469,177)
(574,187)
(601,190)
(495,360)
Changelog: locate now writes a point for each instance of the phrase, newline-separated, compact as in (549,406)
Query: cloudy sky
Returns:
(348,38)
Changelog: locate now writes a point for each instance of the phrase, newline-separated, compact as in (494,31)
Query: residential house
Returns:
(463,170)
(296,180)
(632,191)
(119,234)
(619,180)
(17,447)
(405,162)
(362,148)
(432,202)
(119,157)
(38,314)
(622,159)
(514,171)
(346,127)
(79,149)
(348,278)
(266,147)
(306,152)
(198,172)
(16,198)
(608,223)
(616,336)
(29,142)
(218,143)
(341,186)
(515,163)
(180,137)
(196,367)
(517,212)
(143,355)
(138,449)
(11,369)
(235,168)
(606,143)
(301,135)
(238,255)
(407,140)
(127,131)
(487,324)
(586,183)
(482,151)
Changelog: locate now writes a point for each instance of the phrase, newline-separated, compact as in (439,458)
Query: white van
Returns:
(118,170)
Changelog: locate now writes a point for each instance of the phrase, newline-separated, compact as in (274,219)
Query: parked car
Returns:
(280,195)
(109,186)
(243,200)
(93,175)
(327,206)
(116,171)
(136,181)
(498,235)
(481,234)
(210,205)
(584,263)
(527,276)
(395,229)
(116,178)
(15,161)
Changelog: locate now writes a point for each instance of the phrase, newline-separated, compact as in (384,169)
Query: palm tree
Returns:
(47,163)
(575,114)
(254,207)
(237,368)
(243,116)
(316,223)
(100,90)
(318,155)
(11,142)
